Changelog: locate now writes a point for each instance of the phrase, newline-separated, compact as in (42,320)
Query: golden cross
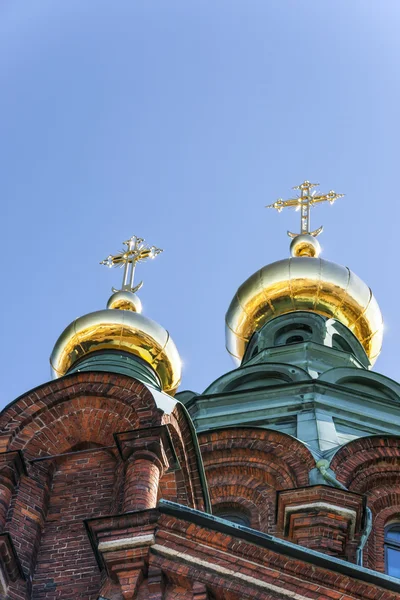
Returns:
(304,202)
(136,251)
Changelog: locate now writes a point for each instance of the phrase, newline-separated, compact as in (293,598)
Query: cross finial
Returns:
(304,202)
(136,251)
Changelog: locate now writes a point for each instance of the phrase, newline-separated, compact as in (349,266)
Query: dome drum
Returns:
(118,362)
(305,327)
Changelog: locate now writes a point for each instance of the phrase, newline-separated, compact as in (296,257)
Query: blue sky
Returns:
(178,121)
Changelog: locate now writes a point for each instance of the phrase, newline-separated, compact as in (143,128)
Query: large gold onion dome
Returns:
(121,328)
(304,282)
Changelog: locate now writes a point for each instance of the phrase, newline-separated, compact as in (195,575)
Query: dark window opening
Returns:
(340,344)
(234,516)
(294,339)
(293,333)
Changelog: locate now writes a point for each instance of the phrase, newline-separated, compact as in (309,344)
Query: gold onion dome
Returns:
(304,282)
(121,327)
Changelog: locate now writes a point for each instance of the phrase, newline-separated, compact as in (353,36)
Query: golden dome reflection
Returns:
(120,330)
(121,327)
(304,284)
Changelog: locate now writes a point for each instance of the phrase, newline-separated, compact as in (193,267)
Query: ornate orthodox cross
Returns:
(136,251)
(304,202)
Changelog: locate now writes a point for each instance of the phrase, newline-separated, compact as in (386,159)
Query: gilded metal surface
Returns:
(303,203)
(124,300)
(308,284)
(136,251)
(305,245)
(120,330)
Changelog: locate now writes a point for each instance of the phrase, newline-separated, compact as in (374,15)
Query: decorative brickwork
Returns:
(73,421)
(87,459)
(229,566)
(149,453)
(321,518)
(371,466)
(355,462)
(245,467)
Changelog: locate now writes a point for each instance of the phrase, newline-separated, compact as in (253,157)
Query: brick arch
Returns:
(249,461)
(275,447)
(256,505)
(248,489)
(356,461)
(376,474)
(73,426)
(385,506)
(91,407)
(371,466)
(98,404)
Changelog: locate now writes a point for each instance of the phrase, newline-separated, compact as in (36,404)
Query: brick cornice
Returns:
(119,532)
(308,565)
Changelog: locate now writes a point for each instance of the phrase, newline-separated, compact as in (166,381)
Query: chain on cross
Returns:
(136,251)
(303,203)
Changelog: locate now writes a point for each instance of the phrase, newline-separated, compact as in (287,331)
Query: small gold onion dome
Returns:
(122,328)
(304,283)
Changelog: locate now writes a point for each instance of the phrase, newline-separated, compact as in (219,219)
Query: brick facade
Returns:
(103,495)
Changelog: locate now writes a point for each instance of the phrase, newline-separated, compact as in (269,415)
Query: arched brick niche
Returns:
(246,466)
(371,466)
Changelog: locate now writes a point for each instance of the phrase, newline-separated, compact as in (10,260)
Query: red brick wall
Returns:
(245,467)
(371,466)
(172,592)
(28,511)
(82,487)
(45,519)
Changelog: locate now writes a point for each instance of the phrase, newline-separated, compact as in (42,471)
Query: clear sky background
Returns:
(178,121)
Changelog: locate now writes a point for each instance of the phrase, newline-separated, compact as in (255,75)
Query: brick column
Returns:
(11,468)
(142,478)
(148,454)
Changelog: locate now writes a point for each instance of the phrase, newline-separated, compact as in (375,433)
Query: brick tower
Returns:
(280,481)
